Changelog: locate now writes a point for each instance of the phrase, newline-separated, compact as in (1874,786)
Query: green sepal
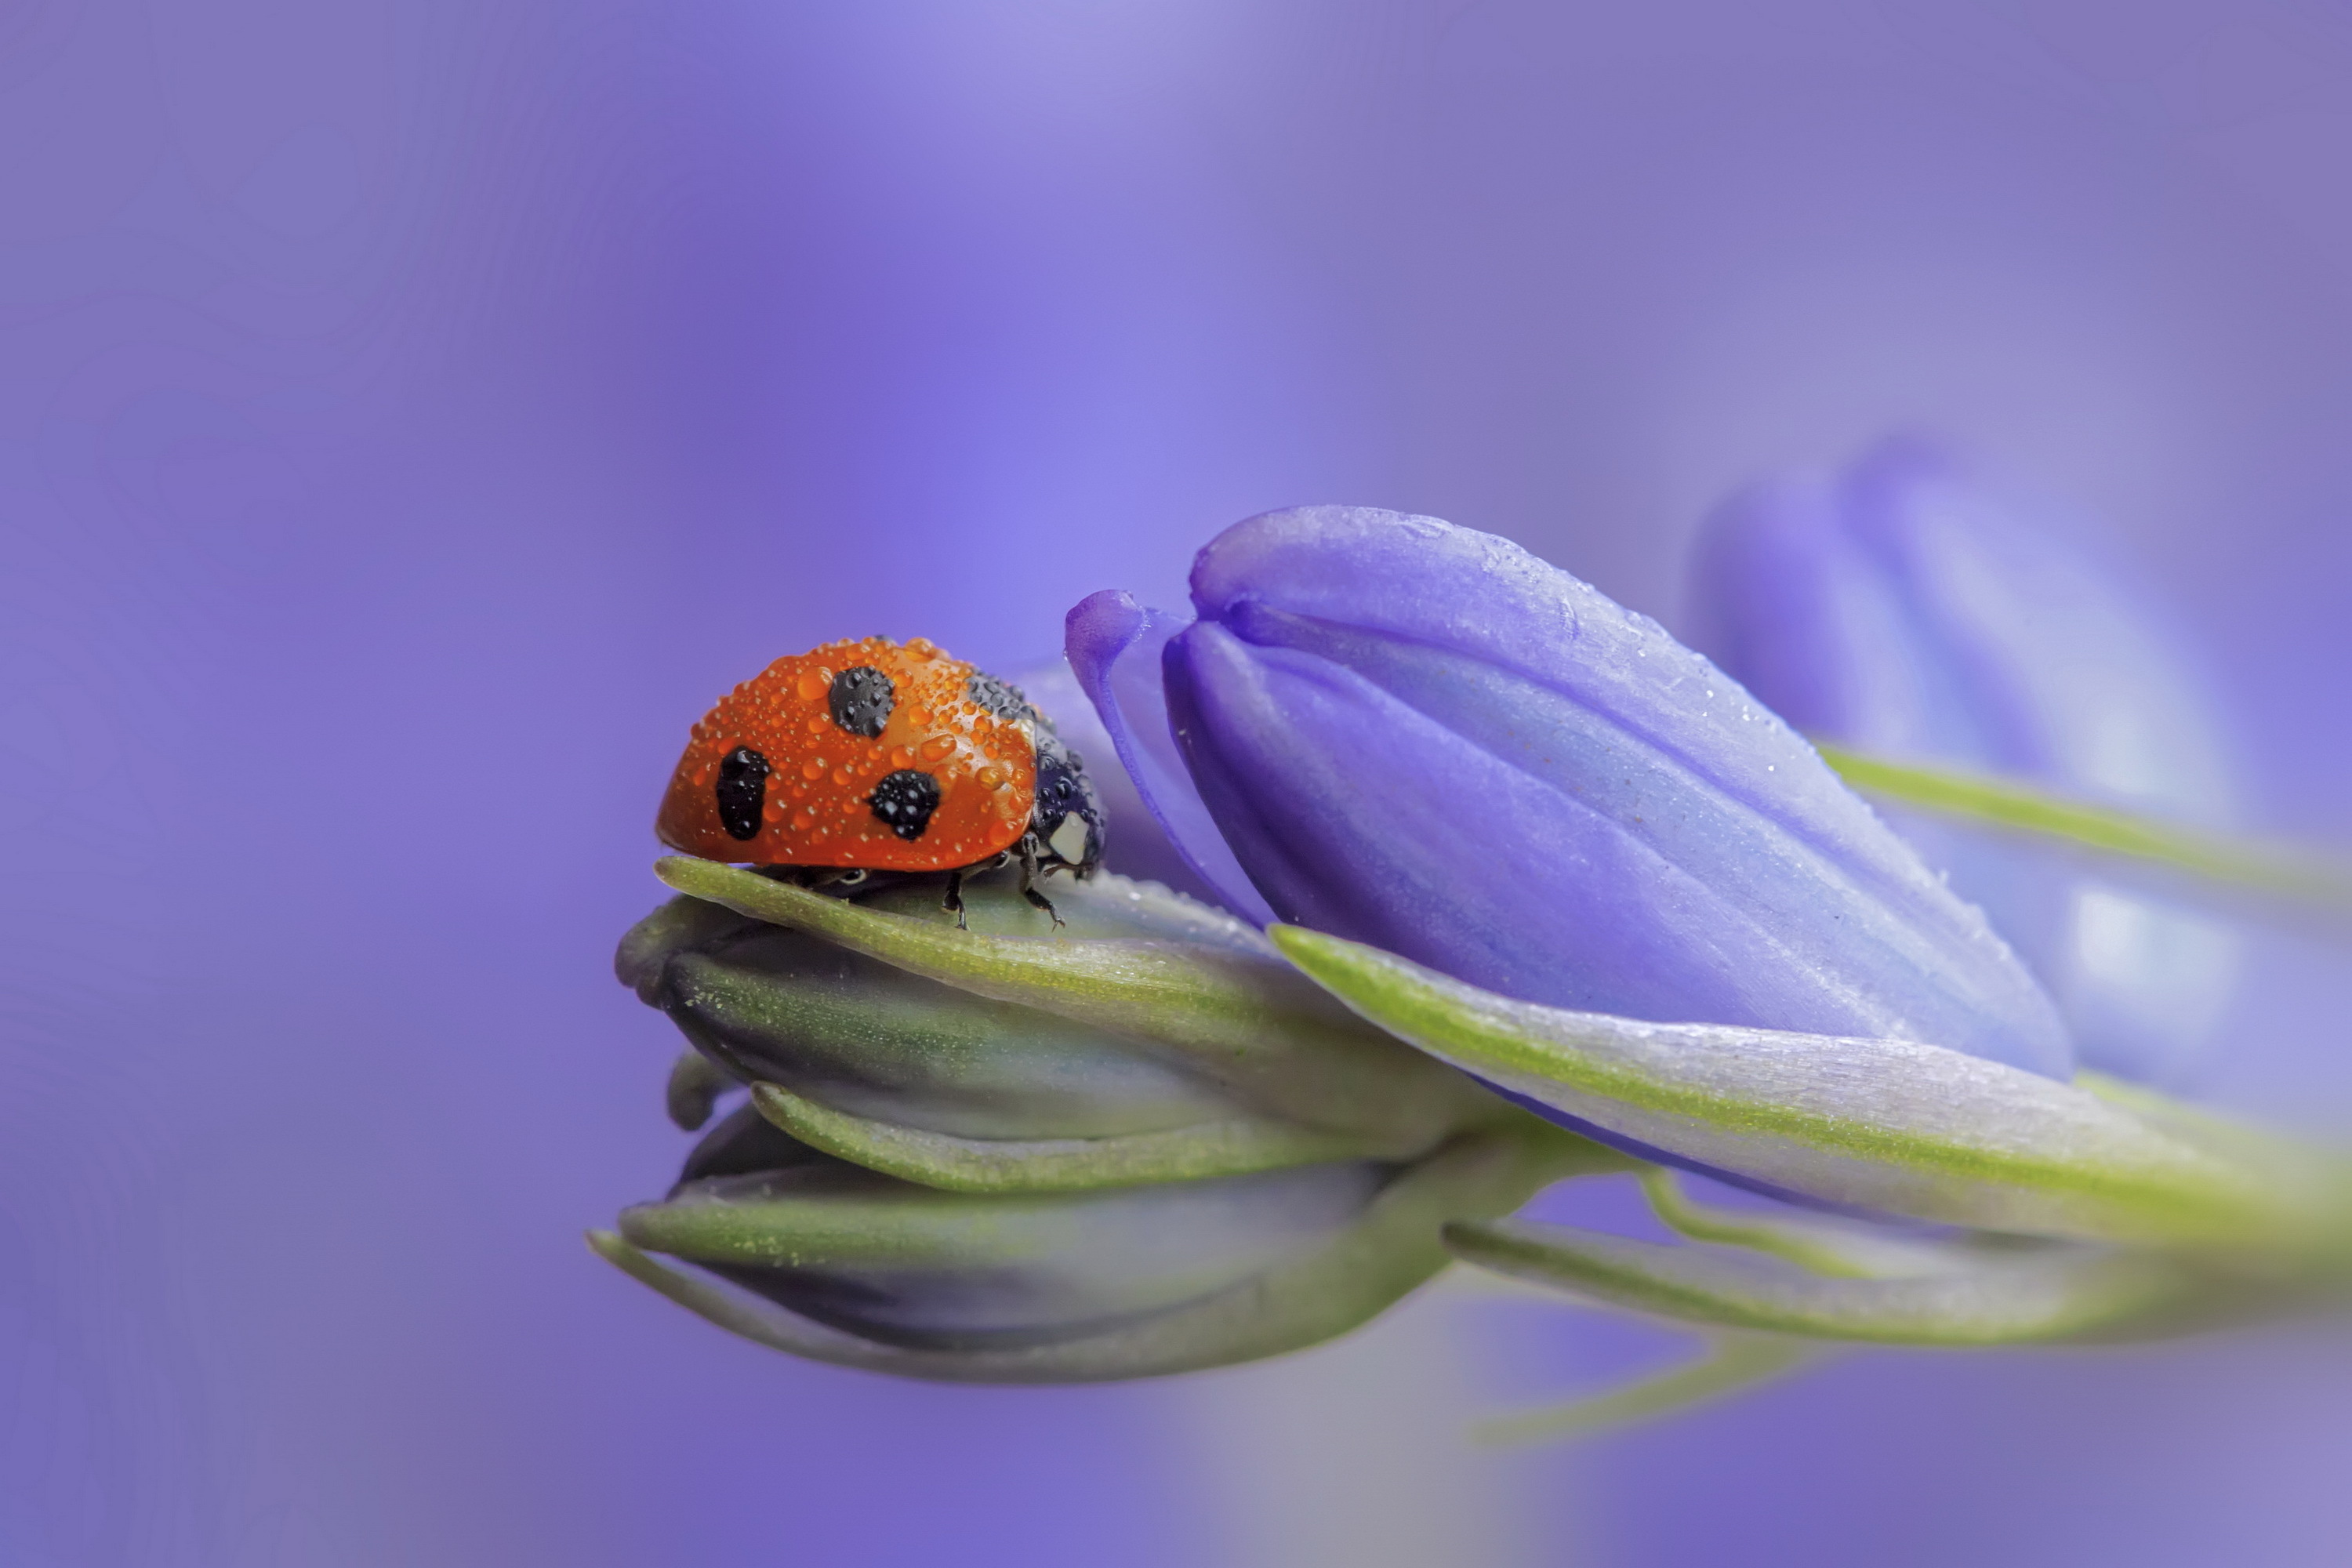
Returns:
(1241,1019)
(842,1217)
(1896,1126)
(1050,1164)
(696,1083)
(2038,1294)
(1306,1299)
(771,1004)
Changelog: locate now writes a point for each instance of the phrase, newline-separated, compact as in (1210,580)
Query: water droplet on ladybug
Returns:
(813,769)
(814,684)
(938,747)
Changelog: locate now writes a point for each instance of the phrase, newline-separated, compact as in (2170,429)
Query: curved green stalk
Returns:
(1728,1366)
(2050,1294)
(1808,1247)
(2020,807)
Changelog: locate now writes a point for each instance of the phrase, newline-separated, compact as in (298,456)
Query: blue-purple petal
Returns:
(1423,738)
(1114,644)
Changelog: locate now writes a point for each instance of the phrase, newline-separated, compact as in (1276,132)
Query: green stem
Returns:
(2279,871)
(1727,1366)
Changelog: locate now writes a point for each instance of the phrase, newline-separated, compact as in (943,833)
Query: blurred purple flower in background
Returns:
(410,414)
(1903,609)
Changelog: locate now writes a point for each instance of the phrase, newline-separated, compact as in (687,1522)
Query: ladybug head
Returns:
(1068,817)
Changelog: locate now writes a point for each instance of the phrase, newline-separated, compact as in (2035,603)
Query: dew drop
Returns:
(993,777)
(813,769)
(937,748)
(902,757)
(813,683)
(841,775)
(804,819)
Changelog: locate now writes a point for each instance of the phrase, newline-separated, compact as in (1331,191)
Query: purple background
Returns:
(414,412)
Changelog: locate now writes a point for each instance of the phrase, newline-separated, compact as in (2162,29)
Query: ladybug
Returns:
(864,757)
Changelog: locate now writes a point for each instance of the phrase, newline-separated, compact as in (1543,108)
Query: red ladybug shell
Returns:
(871,753)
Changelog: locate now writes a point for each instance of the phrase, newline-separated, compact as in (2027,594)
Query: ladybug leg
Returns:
(953,902)
(1029,875)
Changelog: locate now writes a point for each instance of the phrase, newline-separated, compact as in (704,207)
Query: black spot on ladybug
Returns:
(861,700)
(741,789)
(905,800)
(1000,698)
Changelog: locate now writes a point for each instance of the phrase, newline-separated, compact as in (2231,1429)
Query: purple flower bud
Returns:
(1904,610)
(1424,738)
